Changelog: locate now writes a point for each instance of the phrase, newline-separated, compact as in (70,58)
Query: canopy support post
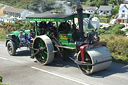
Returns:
(36,27)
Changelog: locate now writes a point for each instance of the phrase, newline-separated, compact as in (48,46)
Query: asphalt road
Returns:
(21,70)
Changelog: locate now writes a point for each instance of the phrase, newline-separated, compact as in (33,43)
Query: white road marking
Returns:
(62,76)
(3,58)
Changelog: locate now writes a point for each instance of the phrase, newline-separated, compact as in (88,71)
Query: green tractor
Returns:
(86,51)
(13,42)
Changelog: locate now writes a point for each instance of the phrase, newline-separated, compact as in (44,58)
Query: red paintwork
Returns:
(82,49)
(87,46)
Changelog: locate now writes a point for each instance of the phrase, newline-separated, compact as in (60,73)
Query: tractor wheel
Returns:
(11,47)
(46,55)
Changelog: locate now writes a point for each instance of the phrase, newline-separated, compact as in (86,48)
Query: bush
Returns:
(117,26)
(115,10)
(118,46)
(17,25)
(103,19)
(119,32)
(0,78)
(101,31)
(116,29)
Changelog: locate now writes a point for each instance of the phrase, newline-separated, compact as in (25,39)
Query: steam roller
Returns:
(86,50)
(64,40)
(93,59)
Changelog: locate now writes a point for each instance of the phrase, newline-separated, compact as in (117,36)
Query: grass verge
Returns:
(118,46)
(2,34)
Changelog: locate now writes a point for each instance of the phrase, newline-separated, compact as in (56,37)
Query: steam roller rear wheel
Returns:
(46,55)
(100,57)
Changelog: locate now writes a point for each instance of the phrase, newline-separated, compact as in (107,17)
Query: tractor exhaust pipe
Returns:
(80,20)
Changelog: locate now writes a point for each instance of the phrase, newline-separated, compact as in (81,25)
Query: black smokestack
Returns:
(80,20)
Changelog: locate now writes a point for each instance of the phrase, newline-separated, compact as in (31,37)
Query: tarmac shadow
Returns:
(23,53)
(113,69)
(61,63)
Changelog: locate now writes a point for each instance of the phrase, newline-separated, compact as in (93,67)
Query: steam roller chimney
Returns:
(80,20)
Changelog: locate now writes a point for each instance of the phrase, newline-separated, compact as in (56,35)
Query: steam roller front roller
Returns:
(96,59)
(45,54)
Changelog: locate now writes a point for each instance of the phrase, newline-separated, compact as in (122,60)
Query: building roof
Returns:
(90,8)
(60,2)
(9,9)
(103,7)
(125,1)
(124,5)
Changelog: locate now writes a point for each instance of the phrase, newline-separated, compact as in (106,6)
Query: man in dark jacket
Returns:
(42,27)
(31,36)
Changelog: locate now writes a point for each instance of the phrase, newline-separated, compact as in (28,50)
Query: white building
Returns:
(123,14)
(15,12)
(105,10)
(90,10)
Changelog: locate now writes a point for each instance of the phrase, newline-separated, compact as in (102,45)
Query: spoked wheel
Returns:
(11,48)
(46,54)
(85,68)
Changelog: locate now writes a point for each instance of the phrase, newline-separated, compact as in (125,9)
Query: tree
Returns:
(33,5)
(115,10)
(99,2)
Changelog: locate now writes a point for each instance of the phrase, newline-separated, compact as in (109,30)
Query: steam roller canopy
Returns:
(99,58)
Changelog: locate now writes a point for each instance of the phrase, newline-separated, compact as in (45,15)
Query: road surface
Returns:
(21,70)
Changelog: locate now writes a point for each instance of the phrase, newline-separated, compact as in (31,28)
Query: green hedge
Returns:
(119,32)
(117,26)
(116,29)
(0,78)
(9,27)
